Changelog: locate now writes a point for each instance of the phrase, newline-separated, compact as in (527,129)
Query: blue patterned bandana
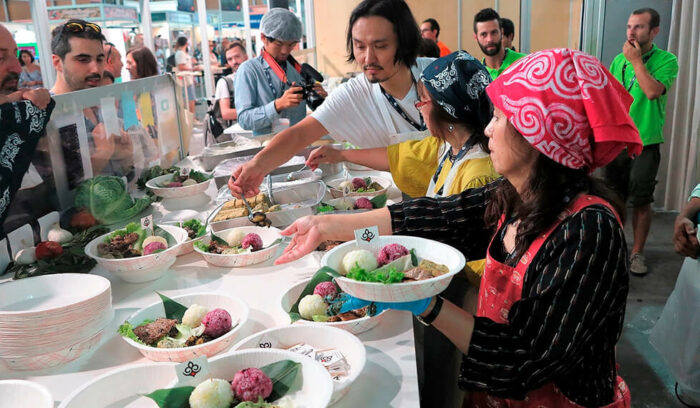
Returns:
(457,82)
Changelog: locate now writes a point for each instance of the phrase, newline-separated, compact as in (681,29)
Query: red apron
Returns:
(501,286)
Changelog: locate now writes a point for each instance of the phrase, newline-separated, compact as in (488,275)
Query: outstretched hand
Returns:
(307,237)
(685,238)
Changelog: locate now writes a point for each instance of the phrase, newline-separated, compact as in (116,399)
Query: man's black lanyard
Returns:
(399,109)
(634,77)
(272,87)
(467,147)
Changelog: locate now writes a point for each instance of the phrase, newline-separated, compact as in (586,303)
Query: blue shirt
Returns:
(255,98)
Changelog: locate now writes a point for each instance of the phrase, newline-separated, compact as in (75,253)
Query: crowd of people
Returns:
(498,156)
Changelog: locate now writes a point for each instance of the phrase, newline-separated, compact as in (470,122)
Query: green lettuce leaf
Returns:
(195,225)
(127,330)
(201,246)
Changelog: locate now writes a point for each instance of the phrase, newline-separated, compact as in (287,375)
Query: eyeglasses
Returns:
(111,46)
(419,104)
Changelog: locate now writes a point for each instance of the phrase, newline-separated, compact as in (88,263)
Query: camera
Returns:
(309,78)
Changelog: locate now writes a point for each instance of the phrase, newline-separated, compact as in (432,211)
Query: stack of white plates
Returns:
(50,320)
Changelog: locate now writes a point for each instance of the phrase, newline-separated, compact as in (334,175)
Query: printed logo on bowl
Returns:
(192,371)
(266,341)
(147,223)
(368,238)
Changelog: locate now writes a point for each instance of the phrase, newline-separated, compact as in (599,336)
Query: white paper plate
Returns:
(356,326)
(399,292)
(20,393)
(123,387)
(320,337)
(316,386)
(236,307)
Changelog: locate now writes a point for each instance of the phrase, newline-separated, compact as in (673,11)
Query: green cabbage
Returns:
(107,200)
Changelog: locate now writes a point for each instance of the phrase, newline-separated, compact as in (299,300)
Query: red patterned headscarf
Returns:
(568,106)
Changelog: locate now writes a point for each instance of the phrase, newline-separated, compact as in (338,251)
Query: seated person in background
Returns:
(78,57)
(265,86)
(235,56)
(428,48)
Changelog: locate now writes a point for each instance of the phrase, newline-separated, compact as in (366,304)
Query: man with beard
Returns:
(430,29)
(647,72)
(266,87)
(375,109)
(79,60)
(488,33)
(9,75)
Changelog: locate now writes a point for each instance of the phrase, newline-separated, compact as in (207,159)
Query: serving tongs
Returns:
(258,218)
(295,175)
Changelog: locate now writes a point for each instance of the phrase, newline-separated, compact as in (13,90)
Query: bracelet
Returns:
(430,318)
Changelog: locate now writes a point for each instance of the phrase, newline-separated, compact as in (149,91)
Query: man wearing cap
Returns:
(375,109)
(647,72)
(265,87)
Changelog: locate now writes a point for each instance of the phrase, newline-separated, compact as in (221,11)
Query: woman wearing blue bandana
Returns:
(456,110)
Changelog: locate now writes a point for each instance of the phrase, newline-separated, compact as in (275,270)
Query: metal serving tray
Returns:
(223,170)
(216,153)
(297,201)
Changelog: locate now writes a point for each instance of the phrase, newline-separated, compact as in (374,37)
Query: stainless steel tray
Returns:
(297,201)
(215,154)
(223,170)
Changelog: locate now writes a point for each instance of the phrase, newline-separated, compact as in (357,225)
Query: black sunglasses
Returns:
(78,26)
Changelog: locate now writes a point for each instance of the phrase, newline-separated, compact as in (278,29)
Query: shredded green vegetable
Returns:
(381,275)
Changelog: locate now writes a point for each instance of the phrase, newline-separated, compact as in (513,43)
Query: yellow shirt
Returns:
(413,164)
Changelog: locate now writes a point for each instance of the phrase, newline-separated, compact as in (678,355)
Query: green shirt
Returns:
(648,115)
(509,58)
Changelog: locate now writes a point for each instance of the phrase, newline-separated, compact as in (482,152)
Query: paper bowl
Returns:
(316,384)
(319,337)
(268,235)
(176,192)
(336,192)
(236,307)
(356,326)
(399,292)
(122,387)
(20,393)
(65,355)
(143,268)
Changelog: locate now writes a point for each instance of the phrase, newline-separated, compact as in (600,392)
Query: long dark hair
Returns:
(400,16)
(439,115)
(21,61)
(551,188)
(146,65)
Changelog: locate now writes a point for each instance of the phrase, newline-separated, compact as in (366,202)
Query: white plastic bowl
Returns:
(142,268)
(320,337)
(20,393)
(268,235)
(356,326)
(122,387)
(316,384)
(236,307)
(405,291)
(336,192)
(176,192)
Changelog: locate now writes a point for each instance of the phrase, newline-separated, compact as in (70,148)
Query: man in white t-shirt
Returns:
(183,62)
(235,56)
(374,109)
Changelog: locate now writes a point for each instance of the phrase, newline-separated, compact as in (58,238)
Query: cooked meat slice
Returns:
(152,332)
(348,316)
(434,268)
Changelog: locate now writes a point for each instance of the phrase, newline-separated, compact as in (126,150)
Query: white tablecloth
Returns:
(389,377)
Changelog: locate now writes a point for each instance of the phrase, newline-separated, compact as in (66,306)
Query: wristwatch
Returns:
(428,320)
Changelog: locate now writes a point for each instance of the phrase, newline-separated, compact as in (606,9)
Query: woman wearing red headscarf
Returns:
(552,298)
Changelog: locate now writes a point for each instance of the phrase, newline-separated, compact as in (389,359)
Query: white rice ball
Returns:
(212,393)
(364,259)
(235,237)
(311,305)
(193,315)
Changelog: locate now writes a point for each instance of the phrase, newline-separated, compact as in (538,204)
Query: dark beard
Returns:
(11,76)
(491,53)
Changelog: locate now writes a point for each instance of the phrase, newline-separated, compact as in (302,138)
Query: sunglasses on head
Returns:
(78,26)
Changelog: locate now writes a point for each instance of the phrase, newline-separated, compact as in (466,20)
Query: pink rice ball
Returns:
(391,253)
(358,182)
(253,241)
(173,184)
(216,323)
(154,247)
(251,383)
(363,203)
(324,289)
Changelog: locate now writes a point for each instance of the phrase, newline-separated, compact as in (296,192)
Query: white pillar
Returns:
(40,18)
(246,26)
(300,14)
(311,30)
(206,56)
(146,26)
(459,24)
